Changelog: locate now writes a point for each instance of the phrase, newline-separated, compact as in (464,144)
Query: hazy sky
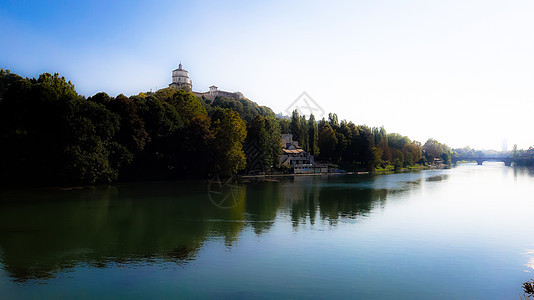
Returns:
(459,71)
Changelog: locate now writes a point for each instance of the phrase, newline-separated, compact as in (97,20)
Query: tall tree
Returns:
(313,134)
(230,132)
(333,120)
(285,126)
(160,119)
(366,151)
(132,133)
(433,149)
(303,133)
(187,105)
(258,150)
(327,143)
(294,125)
(274,137)
(54,135)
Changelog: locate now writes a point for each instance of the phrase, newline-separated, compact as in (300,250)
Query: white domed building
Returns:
(180,79)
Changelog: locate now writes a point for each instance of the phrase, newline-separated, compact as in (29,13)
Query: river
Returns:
(462,233)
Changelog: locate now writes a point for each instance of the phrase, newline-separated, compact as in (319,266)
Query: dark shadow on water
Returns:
(523,171)
(440,177)
(46,231)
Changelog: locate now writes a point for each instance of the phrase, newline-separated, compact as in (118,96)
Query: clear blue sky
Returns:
(459,71)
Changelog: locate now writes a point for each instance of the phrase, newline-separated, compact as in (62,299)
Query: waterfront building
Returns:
(293,155)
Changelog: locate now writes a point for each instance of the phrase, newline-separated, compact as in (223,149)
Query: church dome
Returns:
(180,77)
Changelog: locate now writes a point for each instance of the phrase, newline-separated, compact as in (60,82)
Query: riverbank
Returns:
(391,169)
(378,171)
(266,177)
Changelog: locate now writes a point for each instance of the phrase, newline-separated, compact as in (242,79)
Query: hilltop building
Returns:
(214,92)
(180,80)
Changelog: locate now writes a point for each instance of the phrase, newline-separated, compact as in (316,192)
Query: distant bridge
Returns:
(522,157)
(508,160)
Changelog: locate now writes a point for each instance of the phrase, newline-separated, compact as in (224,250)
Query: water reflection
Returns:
(51,230)
(523,171)
(440,177)
(530,263)
(43,232)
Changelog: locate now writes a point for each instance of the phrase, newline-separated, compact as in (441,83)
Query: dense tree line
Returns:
(52,135)
(433,150)
(359,147)
(523,157)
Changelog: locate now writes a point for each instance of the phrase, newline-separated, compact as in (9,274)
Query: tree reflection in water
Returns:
(44,231)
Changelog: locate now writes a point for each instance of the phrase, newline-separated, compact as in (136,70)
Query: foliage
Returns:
(257,138)
(230,132)
(313,136)
(246,109)
(264,134)
(295,126)
(285,126)
(54,135)
(433,150)
(272,127)
(327,142)
(187,105)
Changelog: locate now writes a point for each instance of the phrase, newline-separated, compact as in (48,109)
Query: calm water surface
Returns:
(464,233)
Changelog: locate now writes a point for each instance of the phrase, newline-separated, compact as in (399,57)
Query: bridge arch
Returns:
(480,160)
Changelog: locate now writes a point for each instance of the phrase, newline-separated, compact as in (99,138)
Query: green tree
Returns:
(333,120)
(91,154)
(160,118)
(366,152)
(194,147)
(53,135)
(343,135)
(274,137)
(376,158)
(398,159)
(230,132)
(165,94)
(313,134)
(304,134)
(246,109)
(412,153)
(294,125)
(132,133)
(327,143)
(380,137)
(433,149)
(187,105)
(258,141)
(285,126)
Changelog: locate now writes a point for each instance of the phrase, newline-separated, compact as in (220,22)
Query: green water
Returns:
(464,233)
